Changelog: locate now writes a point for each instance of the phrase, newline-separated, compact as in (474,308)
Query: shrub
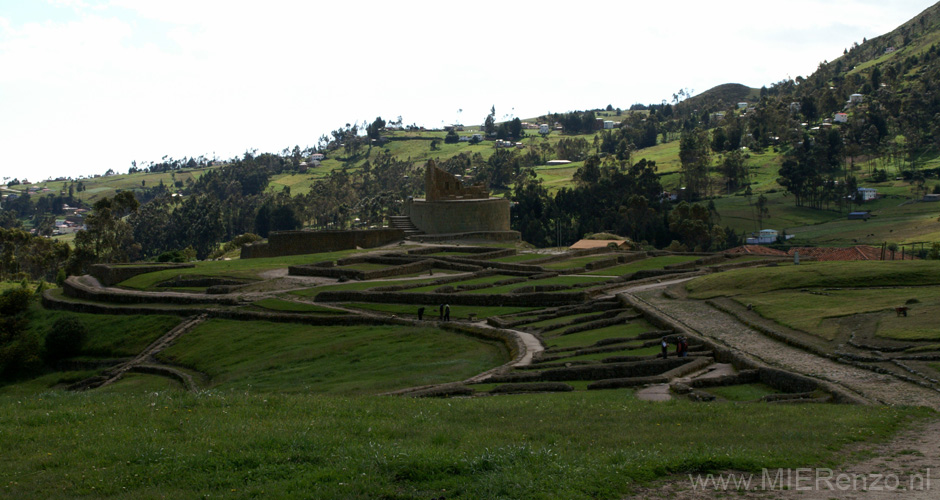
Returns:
(879,176)
(65,338)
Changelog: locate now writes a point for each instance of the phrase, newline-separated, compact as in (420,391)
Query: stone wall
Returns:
(282,243)
(459,216)
(469,299)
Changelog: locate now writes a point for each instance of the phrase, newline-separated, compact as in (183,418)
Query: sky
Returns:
(92,85)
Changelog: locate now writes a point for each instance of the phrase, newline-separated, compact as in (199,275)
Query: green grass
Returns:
(567,280)
(108,336)
(589,337)
(520,258)
(819,314)
(645,351)
(358,286)
(337,360)
(240,444)
(644,265)
(238,268)
(291,306)
(560,319)
(472,281)
(45,382)
(431,311)
(364,266)
(751,281)
(576,262)
(744,392)
(138,383)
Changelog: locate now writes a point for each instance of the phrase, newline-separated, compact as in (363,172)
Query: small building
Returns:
(931,197)
(795,107)
(543,128)
(859,215)
(764,237)
(552,163)
(317,156)
(856,98)
(889,50)
(476,137)
(717,116)
(868,194)
(840,118)
(742,105)
(464,138)
(608,124)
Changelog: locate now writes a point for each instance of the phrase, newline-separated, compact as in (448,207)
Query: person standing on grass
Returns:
(678,347)
(420,313)
(665,348)
(446,312)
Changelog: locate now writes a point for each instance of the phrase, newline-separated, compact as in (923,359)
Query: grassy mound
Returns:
(337,359)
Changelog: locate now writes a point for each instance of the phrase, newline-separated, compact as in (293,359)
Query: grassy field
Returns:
(744,392)
(567,280)
(291,306)
(751,281)
(241,444)
(627,351)
(560,319)
(358,285)
(576,262)
(521,258)
(108,336)
(589,337)
(334,360)
(474,281)
(819,314)
(643,265)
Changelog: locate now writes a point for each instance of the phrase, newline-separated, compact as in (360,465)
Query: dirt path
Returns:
(727,330)
(906,467)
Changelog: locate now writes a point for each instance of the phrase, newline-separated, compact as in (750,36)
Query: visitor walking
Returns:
(665,348)
(446,312)
(420,313)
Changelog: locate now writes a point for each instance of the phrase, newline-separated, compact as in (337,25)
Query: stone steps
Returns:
(404,223)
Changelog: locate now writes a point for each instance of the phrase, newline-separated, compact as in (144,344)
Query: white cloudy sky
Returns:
(88,85)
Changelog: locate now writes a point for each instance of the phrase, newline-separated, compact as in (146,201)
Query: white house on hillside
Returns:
(543,128)
(840,118)
(868,194)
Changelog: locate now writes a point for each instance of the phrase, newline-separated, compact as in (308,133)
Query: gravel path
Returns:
(726,330)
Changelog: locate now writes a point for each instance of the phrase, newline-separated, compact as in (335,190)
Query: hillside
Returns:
(791,160)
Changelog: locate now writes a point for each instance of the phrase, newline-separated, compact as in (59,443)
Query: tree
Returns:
(65,338)
(761,211)
(489,124)
(19,349)
(695,157)
(106,238)
(374,129)
(734,169)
